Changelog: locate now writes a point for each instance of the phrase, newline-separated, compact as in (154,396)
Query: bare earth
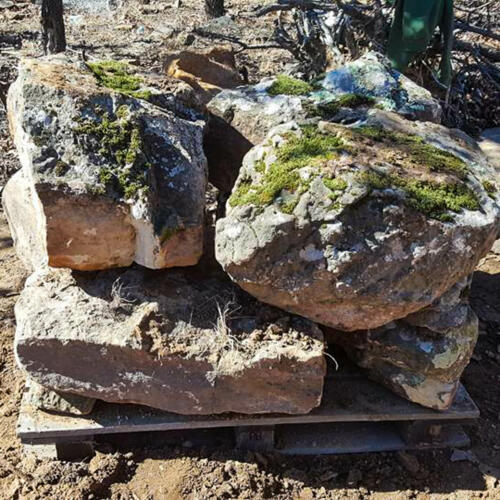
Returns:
(143,32)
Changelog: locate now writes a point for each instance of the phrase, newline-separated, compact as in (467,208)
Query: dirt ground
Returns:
(143,32)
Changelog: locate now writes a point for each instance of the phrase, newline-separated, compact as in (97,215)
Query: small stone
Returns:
(328,476)
(409,462)
(354,477)
(57,402)
(463,455)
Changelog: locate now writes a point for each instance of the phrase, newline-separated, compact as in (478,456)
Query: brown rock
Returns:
(171,340)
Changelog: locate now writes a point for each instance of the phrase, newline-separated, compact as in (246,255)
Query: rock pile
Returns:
(348,210)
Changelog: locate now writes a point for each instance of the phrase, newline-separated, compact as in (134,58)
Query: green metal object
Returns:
(412,29)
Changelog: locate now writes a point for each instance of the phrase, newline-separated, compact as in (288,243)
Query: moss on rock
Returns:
(434,199)
(121,146)
(311,149)
(327,109)
(418,151)
(289,86)
(118,76)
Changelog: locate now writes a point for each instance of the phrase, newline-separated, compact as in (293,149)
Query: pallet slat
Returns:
(345,399)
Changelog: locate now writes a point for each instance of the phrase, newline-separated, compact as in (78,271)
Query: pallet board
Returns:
(348,398)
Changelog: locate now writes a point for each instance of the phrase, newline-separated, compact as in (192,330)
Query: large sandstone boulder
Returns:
(422,356)
(242,117)
(173,340)
(109,177)
(356,226)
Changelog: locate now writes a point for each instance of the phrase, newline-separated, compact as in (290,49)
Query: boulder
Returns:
(174,340)
(421,357)
(242,117)
(356,226)
(109,177)
(206,72)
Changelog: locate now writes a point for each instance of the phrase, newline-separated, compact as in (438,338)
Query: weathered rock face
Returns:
(109,177)
(207,72)
(58,402)
(354,227)
(172,340)
(423,356)
(241,118)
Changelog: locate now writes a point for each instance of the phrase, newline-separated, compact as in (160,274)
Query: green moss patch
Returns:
(418,151)
(330,108)
(121,145)
(434,199)
(312,149)
(289,86)
(61,168)
(119,77)
(490,188)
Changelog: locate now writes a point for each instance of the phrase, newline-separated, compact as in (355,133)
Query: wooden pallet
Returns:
(356,415)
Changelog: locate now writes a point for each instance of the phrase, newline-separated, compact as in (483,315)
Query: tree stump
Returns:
(53,33)
(214,8)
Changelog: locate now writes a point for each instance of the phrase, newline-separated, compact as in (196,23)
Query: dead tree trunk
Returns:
(53,33)
(214,8)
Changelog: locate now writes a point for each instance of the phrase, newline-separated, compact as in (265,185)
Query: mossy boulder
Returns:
(111,165)
(356,226)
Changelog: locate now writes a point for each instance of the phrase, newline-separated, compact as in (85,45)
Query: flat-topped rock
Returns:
(172,340)
(113,171)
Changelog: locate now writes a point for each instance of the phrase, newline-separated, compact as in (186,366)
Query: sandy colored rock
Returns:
(26,221)
(352,231)
(112,177)
(172,340)
(206,72)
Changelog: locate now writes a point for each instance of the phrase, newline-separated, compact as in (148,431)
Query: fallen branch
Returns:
(463,26)
(232,39)
(351,10)
(489,53)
